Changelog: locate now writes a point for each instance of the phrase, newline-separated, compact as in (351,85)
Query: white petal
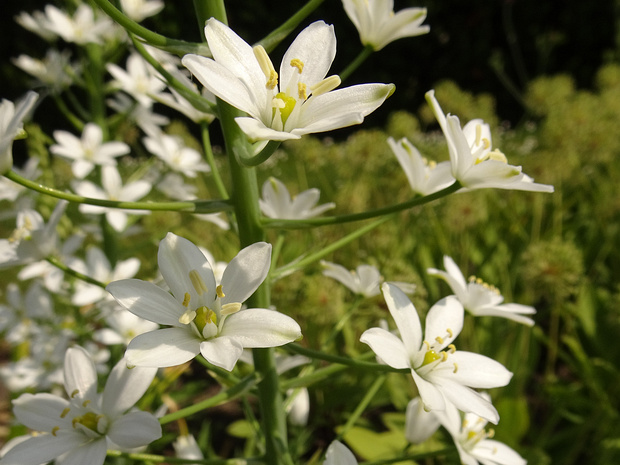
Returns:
(478,371)
(405,316)
(124,387)
(177,257)
(163,348)
(420,424)
(134,430)
(222,352)
(387,346)
(468,400)
(338,454)
(256,130)
(259,327)
(497,453)
(246,272)
(43,448)
(80,374)
(444,318)
(431,395)
(147,301)
(39,412)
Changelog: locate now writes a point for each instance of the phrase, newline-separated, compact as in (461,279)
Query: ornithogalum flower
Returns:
(364,280)
(84,426)
(87,151)
(11,119)
(299,100)
(141,9)
(378,25)
(204,317)
(339,454)
(473,162)
(277,202)
(425,177)
(473,440)
(480,298)
(442,374)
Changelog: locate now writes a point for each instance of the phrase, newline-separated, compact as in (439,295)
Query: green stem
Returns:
(166,459)
(359,59)
(228,394)
(314,377)
(370,394)
(274,38)
(76,274)
(71,117)
(327,250)
(202,206)
(179,47)
(247,159)
(356,363)
(206,144)
(339,219)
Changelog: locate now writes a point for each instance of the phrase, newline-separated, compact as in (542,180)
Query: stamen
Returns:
(186,299)
(478,134)
(197,282)
(450,332)
(75,393)
(297,63)
(187,317)
(444,356)
(220,292)
(302,91)
(456,367)
(85,403)
(266,66)
(428,345)
(452,348)
(497,156)
(326,85)
(65,412)
(55,429)
(229,309)
(439,339)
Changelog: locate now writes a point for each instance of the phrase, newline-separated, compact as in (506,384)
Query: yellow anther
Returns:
(187,317)
(432,164)
(456,368)
(266,66)
(490,433)
(302,91)
(85,403)
(220,292)
(486,142)
(497,156)
(297,63)
(444,356)
(197,282)
(450,332)
(55,429)
(186,299)
(229,309)
(75,393)
(65,412)
(326,85)
(439,339)
(452,348)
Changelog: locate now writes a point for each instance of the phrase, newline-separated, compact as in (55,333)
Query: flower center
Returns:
(433,355)
(475,280)
(472,435)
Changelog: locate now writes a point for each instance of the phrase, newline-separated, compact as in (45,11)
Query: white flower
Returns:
(38,23)
(204,317)
(54,71)
(11,119)
(172,151)
(139,10)
(186,447)
(277,202)
(364,280)
(424,177)
(98,267)
(378,25)
(338,454)
(140,80)
(144,117)
(17,316)
(480,298)
(81,28)
(81,427)
(113,189)
(441,376)
(87,151)
(123,326)
(473,162)
(303,102)
(473,441)
(419,424)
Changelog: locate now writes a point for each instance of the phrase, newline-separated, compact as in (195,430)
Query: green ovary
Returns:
(89,420)
(204,316)
(430,356)
(287,109)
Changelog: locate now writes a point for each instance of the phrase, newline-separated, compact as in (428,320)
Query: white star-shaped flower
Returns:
(473,162)
(442,374)
(277,202)
(480,298)
(11,125)
(378,25)
(204,317)
(299,100)
(81,426)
